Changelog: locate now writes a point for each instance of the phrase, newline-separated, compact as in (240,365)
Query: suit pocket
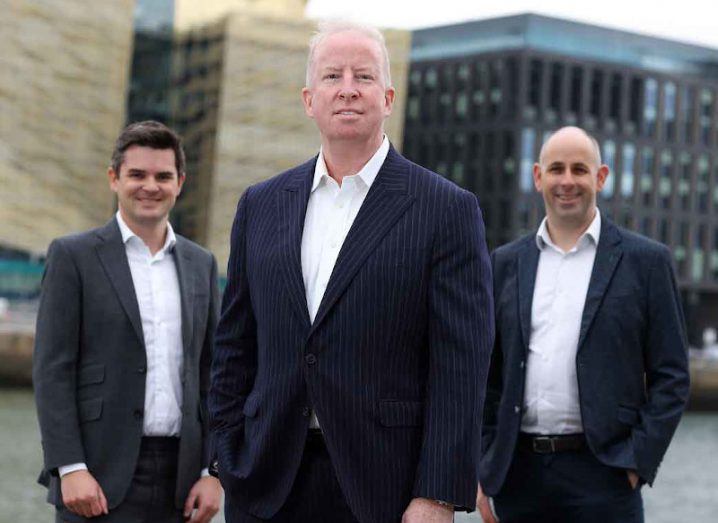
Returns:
(90,410)
(90,374)
(628,415)
(251,406)
(401,413)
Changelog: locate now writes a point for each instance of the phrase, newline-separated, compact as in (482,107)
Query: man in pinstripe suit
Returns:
(357,323)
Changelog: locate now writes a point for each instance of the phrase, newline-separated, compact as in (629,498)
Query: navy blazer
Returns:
(394,364)
(631,364)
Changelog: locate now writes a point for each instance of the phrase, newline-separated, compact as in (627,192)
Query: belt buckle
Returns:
(543,445)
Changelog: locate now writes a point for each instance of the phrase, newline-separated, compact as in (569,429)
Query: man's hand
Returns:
(422,510)
(205,496)
(484,507)
(632,478)
(82,494)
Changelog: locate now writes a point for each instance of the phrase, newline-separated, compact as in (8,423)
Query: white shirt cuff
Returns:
(66,469)
(205,473)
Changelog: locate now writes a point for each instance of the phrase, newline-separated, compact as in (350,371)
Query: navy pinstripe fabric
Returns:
(394,364)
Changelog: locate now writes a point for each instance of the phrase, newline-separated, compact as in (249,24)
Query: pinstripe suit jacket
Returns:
(394,364)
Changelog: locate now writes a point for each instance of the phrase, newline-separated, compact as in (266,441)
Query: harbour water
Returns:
(686,488)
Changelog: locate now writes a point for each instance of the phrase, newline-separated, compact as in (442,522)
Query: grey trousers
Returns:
(150,498)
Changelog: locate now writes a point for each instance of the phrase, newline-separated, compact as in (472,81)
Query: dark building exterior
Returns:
(483,95)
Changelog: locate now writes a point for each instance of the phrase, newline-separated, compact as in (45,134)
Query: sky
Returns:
(690,21)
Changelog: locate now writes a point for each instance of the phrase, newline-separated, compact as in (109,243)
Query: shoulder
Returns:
(81,241)
(635,244)
(194,250)
(284,179)
(510,250)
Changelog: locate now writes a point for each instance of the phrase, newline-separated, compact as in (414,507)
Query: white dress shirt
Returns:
(158,297)
(331,211)
(551,401)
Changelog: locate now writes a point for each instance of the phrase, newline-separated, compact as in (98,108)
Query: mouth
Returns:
(567,198)
(348,112)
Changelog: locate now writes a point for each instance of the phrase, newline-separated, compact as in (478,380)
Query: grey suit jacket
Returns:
(89,365)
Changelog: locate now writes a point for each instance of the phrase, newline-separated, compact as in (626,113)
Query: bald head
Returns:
(570,136)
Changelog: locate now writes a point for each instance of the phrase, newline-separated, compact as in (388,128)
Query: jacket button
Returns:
(138,414)
(517,409)
(306,411)
(521,365)
(142,370)
(310,358)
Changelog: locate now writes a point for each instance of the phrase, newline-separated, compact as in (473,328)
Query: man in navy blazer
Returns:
(357,322)
(589,374)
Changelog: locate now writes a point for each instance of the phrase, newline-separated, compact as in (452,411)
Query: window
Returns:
(574,102)
(665,185)
(534,94)
(650,107)
(634,105)
(706,116)
(596,95)
(687,111)
(555,93)
(647,175)
(609,158)
(702,183)
(528,143)
(669,111)
(627,176)
(615,101)
(684,182)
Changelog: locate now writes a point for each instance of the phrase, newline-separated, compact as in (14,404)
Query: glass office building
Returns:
(484,95)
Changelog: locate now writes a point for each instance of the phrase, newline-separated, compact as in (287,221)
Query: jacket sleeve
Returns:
(666,369)
(461,336)
(234,362)
(494,383)
(54,374)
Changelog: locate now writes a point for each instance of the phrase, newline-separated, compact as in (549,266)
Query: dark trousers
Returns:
(570,487)
(315,496)
(150,498)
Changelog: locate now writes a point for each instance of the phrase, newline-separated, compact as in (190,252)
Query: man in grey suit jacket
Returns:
(122,352)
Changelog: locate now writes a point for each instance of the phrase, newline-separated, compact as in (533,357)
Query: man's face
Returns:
(569,177)
(147,186)
(347,96)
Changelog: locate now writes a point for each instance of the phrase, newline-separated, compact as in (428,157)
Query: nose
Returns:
(150,185)
(348,89)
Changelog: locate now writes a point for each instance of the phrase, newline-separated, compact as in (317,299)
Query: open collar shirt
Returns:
(551,397)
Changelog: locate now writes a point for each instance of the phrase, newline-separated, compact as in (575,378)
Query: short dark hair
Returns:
(148,134)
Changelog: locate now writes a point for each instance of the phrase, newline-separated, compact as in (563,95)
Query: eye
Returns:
(365,77)
(331,76)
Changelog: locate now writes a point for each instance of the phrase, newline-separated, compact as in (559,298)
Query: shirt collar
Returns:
(127,234)
(367,174)
(592,234)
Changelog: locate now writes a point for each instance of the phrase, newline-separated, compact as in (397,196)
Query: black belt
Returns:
(551,444)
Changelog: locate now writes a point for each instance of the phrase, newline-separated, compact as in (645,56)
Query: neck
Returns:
(347,158)
(153,233)
(566,234)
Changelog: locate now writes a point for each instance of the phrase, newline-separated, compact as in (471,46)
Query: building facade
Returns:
(484,95)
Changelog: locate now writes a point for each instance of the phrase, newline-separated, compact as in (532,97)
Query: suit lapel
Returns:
(185,275)
(113,257)
(527,264)
(387,200)
(291,209)
(608,254)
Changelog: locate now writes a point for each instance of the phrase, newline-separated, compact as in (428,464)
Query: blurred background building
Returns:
(62,97)
(484,95)
(227,74)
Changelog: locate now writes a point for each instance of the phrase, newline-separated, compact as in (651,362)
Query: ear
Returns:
(113,178)
(601,176)
(180,181)
(389,95)
(307,99)
(537,177)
